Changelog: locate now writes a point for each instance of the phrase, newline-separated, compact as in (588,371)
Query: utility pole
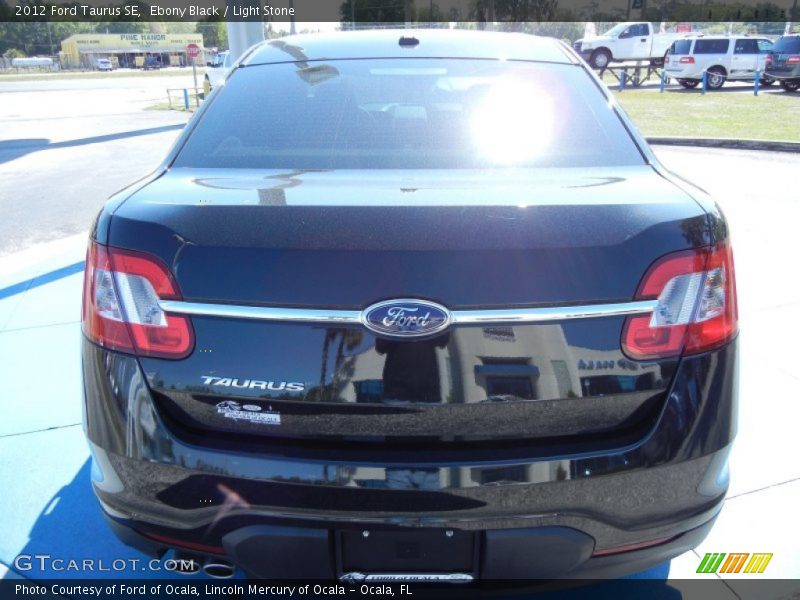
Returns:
(243,34)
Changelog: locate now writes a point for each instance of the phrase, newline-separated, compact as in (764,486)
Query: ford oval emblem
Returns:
(406,318)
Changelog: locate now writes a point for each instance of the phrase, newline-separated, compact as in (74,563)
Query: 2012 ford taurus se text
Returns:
(411,306)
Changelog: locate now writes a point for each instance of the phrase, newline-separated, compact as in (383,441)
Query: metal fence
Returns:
(184,97)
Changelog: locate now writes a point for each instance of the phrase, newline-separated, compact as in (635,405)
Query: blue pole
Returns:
(705,81)
(622,80)
(186,98)
(663,81)
(757,81)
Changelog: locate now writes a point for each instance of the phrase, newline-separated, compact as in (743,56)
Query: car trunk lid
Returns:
(468,240)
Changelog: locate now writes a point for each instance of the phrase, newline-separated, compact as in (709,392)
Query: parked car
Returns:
(626,41)
(386,315)
(152,63)
(783,62)
(218,68)
(103,64)
(724,58)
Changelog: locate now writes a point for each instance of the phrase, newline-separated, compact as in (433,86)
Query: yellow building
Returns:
(130,49)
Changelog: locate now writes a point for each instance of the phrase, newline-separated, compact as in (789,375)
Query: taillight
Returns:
(696,309)
(768,59)
(121,291)
(793,60)
(687,60)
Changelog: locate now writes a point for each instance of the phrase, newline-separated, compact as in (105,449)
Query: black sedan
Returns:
(411,307)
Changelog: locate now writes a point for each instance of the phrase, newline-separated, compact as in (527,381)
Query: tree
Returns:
(120,27)
(35,37)
(561,30)
(215,34)
(429,12)
(376,12)
(513,14)
(181,27)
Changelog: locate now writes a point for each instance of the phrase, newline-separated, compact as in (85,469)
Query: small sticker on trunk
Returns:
(250,412)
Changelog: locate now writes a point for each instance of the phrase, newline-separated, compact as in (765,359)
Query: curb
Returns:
(728,143)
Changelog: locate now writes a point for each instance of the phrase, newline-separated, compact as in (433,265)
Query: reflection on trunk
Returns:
(473,383)
(490,364)
(411,369)
(348,340)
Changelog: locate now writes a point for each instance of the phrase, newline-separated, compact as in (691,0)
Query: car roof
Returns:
(733,36)
(432,43)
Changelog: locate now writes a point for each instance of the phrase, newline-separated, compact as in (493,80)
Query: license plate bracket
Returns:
(407,551)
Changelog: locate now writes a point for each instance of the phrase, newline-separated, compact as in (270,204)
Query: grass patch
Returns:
(735,115)
(178,103)
(175,107)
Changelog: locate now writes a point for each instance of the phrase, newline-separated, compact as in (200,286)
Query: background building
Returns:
(129,49)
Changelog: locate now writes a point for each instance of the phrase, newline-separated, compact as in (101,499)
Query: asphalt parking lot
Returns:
(52,184)
(66,143)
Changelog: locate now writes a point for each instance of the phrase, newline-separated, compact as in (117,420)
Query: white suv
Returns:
(734,58)
(104,64)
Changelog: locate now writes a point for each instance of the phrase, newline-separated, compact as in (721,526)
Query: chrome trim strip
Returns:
(506,316)
(263,313)
(511,316)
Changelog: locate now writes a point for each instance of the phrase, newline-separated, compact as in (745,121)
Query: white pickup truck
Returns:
(218,69)
(626,41)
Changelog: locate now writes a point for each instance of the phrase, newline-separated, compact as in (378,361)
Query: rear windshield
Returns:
(787,45)
(680,47)
(409,114)
(711,46)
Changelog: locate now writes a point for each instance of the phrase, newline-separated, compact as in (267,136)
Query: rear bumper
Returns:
(502,556)
(667,487)
(683,73)
(782,74)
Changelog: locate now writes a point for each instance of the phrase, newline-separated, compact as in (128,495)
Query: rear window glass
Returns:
(409,113)
(711,46)
(787,45)
(680,47)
